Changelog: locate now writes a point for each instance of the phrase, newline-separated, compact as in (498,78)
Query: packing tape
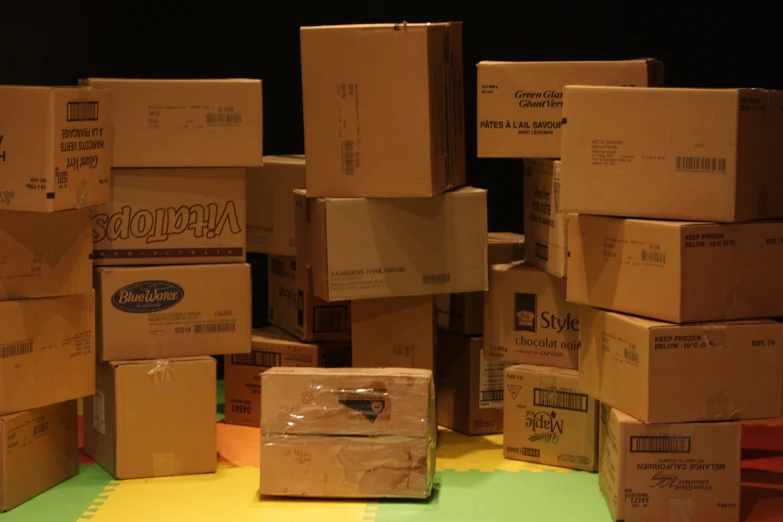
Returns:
(162,373)
(720,406)
(681,510)
(715,336)
(81,194)
(165,465)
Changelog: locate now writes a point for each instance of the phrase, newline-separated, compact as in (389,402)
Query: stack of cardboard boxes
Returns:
(171,283)
(55,157)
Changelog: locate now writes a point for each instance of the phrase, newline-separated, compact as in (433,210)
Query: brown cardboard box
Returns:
(520,104)
(60,158)
(45,254)
(549,419)
(153,418)
(527,319)
(39,448)
(172,216)
(347,433)
(272,347)
(464,312)
(654,472)
(657,269)
(185,123)
(470,388)
(677,154)
(664,372)
(364,248)
(301,313)
(404,136)
(173,311)
(546,229)
(47,351)
(393,332)
(270,210)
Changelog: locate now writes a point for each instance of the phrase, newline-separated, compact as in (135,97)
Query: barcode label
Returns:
(82,111)
(15,349)
(348,157)
(214,328)
(560,400)
(631,355)
(660,444)
(697,164)
(436,279)
(276,266)
(262,359)
(491,395)
(542,251)
(224,118)
(652,256)
(337,359)
(40,428)
(330,319)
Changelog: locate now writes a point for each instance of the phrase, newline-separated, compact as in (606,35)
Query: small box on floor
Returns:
(153,418)
(172,216)
(59,158)
(520,104)
(656,269)
(48,351)
(301,313)
(39,449)
(470,388)
(271,348)
(675,154)
(185,123)
(360,248)
(393,332)
(546,229)
(549,419)
(45,254)
(404,135)
(149,312)
(464,312)
(348,433)
(270,211)
(645,368)
(654,472)
(527,319)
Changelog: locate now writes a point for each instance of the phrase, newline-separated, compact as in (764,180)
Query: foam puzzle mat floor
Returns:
(474,482)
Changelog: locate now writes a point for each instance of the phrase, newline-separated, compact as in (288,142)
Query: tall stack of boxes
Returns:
(675,286)
(55,157)
(549,418)
(171,281)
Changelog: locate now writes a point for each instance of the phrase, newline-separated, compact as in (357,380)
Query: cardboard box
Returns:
(172,216)
(675,154)
(347,433)
(60,158)
(272,347)
(39,449)
(153,418)
(270,211)
(365,248)
(185,123)
(173,311)
(45,254)
(549,418)
(520,104)
(48,351)
(546,229)
(646,368)
(301,313)
(527,319)
(393,332)
(470,388)
(404,136)
(654,472)
(656,269)
(464,312)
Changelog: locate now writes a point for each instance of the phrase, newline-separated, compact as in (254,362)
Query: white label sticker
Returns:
(490,383)
(99,412)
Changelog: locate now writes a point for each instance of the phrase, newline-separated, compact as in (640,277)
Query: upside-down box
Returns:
(350,433)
